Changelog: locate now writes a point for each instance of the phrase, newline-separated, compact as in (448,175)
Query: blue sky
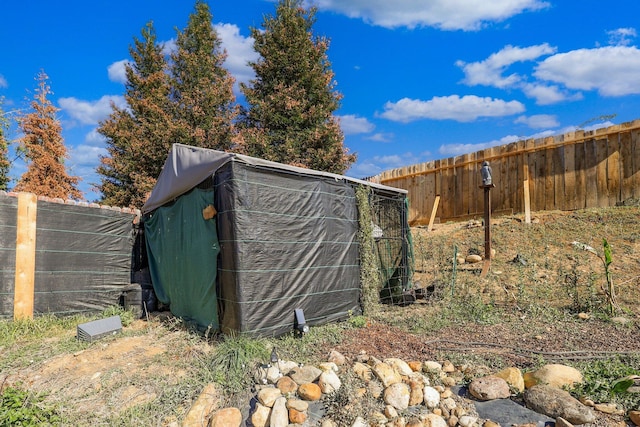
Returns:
(421,79)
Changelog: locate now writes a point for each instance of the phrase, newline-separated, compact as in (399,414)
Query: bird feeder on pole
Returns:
(487,185)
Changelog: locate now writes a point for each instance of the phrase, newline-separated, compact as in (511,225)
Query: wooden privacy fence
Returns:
(577,170)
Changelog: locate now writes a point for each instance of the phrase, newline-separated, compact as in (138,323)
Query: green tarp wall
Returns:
(183,249)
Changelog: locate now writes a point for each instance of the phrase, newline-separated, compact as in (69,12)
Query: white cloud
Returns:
(611,70)
(374,165)
(86,155)
(94,138)
(239,50)
(444,14)
(539,121)
(453,107)
(621,36)
(548,94)
(90,112)
(489,72)
(352,124)
(3,81)
(117,72)
(380,137)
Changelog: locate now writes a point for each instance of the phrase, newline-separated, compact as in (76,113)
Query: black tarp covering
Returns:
(8,234)
(82,260)
(287,241)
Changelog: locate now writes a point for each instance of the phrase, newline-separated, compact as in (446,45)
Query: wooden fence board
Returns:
(570,175)
(558,158)
(549,183)
(458,191)
(590,176)
(581,170)
(626,166)
(635,147)
(613,169)
(601,171)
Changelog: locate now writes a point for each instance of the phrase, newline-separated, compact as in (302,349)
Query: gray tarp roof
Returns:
(188,166)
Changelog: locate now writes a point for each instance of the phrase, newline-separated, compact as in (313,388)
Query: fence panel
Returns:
(577,170)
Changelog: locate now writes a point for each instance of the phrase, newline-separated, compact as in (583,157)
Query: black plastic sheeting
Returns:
(83,257)
(8,235)
(287,241)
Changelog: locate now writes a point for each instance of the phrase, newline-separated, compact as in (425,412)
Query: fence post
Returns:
(23,294)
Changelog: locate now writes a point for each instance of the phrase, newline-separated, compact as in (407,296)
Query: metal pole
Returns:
(487,222)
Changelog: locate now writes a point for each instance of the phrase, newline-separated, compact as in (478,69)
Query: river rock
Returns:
(399,365)
(473,258)
(202,407)
(554,375)
(362,371)
(337,358)
(310,392)
(329,382)
(286,385)
(513,377)
(433,420)
(555,403)
(634,416)
(386,374)
(431,397)
(397,395)
(489,388)
(260,416)
(227,417)
(305,374)
(267,396)
(279,413)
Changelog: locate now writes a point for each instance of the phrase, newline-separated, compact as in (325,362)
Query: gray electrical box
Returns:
(97,329)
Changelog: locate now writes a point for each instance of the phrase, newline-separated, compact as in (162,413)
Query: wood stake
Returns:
(433,212)
(25,256)
(527,200)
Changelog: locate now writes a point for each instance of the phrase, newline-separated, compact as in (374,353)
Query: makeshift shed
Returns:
(237,243)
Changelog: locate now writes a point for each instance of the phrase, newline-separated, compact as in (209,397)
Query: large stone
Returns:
(279,413)
(286,385)
(556,403)
(513,377)
(337,358)
(431,397)
(386,374)
(202,407)
(227,417)
(362,371)
(433,420)
(267,396)
(432,366)
(415,365)
(297,417)
(305,374)
(298,405)
(329,382)
(399,365)
(467,421)
(286,366)
(328,366)
(260,416)
(634,416)
(310,392)
(397,395)
(489,388)
(561,422)
(416,395)
(273,374)
(554,375)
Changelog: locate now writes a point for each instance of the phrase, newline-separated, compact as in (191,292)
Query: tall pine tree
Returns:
(202,90)
(44,149)
(292,99)
(4,150)
(138,137)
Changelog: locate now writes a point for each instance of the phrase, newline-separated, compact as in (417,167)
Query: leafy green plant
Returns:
(608,380)
(609,290)
(21,408)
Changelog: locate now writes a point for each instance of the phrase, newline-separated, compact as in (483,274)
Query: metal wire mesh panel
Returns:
(393,246)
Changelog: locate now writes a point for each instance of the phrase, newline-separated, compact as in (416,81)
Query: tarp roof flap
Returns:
(188,166)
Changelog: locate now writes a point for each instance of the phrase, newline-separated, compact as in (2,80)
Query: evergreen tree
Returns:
(293,97)
(44,149)
(138,137)
(4,151)
(202,90)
